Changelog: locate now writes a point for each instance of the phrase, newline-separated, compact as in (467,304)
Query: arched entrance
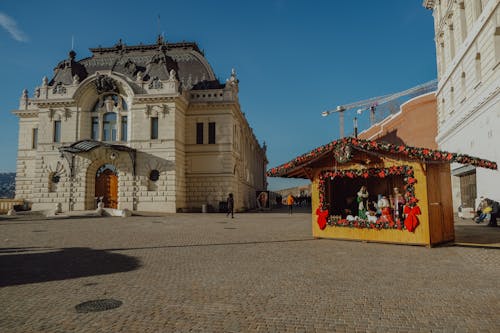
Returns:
(106,185)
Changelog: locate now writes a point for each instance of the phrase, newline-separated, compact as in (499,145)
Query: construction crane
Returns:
(374,102)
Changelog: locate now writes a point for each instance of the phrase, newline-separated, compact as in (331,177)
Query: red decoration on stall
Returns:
(322,215)
(411,221)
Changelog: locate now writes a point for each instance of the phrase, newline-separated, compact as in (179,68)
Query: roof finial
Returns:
(161,38)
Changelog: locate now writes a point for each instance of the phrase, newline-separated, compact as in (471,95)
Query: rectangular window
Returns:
(154,128)
(34,138)
(95,128)
(124,128)
(199,133)
(211,133)
(57,131)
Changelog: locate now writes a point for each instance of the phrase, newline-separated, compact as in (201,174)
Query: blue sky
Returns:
(294,59)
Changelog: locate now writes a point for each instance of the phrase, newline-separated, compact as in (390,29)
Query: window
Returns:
(95,128)
(452,99)
(124,129)
(478,67)
(57,131)
(154,128)
(154,175)
(478,8)
(463,21)
(452,42)
(109,127)
(463,87)
(34,138)
(211,133)
(199,133)
(497,46)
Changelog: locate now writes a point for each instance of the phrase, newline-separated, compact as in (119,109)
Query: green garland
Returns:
(342,151)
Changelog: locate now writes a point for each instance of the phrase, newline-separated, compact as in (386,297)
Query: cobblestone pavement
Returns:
(258,272)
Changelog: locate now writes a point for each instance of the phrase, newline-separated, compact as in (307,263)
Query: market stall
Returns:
(375,191)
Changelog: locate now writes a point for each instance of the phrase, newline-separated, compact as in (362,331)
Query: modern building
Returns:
(143,127)
(414,124)
(467,35)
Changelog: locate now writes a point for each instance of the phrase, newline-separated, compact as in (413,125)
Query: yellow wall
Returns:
(421,234)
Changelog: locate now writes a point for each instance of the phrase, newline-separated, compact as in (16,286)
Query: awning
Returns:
(83,146)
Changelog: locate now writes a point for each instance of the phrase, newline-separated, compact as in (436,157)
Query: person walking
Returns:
(230,205)
(289,202)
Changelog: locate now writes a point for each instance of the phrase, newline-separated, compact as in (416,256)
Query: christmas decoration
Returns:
(385,221)
(411,221)
(343,152)
(322,215)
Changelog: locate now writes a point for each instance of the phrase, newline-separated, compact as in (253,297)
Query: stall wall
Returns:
(421,236)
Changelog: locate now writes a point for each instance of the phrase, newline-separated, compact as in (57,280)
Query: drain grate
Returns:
(98,305)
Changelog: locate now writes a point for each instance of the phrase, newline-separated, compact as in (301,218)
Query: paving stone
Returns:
(189,273)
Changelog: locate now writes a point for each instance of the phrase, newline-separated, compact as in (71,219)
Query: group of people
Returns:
(391,208)
(487,210)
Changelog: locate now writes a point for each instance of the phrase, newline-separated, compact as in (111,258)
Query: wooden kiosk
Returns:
(422,214)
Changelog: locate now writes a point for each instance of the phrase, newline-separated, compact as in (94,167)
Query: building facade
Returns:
(467,36)
(144,127)
(414,125)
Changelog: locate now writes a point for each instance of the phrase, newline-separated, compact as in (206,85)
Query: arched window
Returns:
(109,119)
(109,127)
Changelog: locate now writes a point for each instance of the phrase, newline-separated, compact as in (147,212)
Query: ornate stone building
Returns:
(467,35)
(144,127)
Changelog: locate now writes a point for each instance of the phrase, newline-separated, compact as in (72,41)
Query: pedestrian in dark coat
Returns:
(230,205)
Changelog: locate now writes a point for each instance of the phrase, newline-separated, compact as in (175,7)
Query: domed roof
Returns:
(153,61)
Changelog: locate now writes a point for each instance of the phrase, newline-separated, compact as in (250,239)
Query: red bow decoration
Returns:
(411,221)
(322,214)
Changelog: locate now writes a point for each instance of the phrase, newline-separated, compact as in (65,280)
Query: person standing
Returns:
(289,202)
(230,205)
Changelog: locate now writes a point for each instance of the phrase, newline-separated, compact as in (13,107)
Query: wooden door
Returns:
(106,187)
(441,223)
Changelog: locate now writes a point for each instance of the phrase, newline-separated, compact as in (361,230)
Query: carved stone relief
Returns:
(156,110)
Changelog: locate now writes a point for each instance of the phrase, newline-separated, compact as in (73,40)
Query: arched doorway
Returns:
(106,185)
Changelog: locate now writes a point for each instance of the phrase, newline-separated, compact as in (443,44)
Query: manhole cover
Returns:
(98,305)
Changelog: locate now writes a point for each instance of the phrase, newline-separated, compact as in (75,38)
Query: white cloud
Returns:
(10,25)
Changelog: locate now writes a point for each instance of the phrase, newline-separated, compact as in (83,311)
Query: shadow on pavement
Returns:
(67,263)
(477,235)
